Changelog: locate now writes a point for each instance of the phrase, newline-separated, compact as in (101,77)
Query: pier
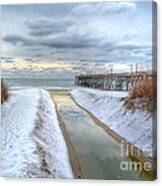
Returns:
(112,81)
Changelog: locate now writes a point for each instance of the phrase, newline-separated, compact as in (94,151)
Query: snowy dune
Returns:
(135,126)
(32,141)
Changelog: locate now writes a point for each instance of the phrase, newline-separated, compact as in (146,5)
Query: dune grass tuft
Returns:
(143,89)
(4,92)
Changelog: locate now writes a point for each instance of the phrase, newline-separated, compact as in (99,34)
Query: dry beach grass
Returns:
(4,92)
(142,96)
(143,88)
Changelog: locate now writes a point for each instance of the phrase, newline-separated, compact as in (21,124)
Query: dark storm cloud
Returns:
(46,26)
(73,41)
(63,41)
(70,41)
(41,32)
(18,40)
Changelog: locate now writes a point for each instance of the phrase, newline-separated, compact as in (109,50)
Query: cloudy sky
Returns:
(61,40)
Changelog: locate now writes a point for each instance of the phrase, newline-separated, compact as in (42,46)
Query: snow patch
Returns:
(32,143)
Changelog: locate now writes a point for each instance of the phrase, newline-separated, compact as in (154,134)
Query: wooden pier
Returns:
(113,81)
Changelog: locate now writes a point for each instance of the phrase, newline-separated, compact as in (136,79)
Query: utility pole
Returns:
(131,69)
(111,69)
(136,69)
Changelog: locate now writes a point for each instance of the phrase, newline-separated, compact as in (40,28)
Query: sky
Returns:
(62,40)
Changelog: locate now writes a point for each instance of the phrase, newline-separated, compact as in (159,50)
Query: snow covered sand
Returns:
(32,141)
(135,126)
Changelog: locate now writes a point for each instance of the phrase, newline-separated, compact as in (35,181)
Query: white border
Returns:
(52,182)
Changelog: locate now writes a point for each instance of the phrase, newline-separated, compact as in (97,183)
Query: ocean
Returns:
(48,84)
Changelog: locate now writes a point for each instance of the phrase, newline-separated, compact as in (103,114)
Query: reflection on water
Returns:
(98,153)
